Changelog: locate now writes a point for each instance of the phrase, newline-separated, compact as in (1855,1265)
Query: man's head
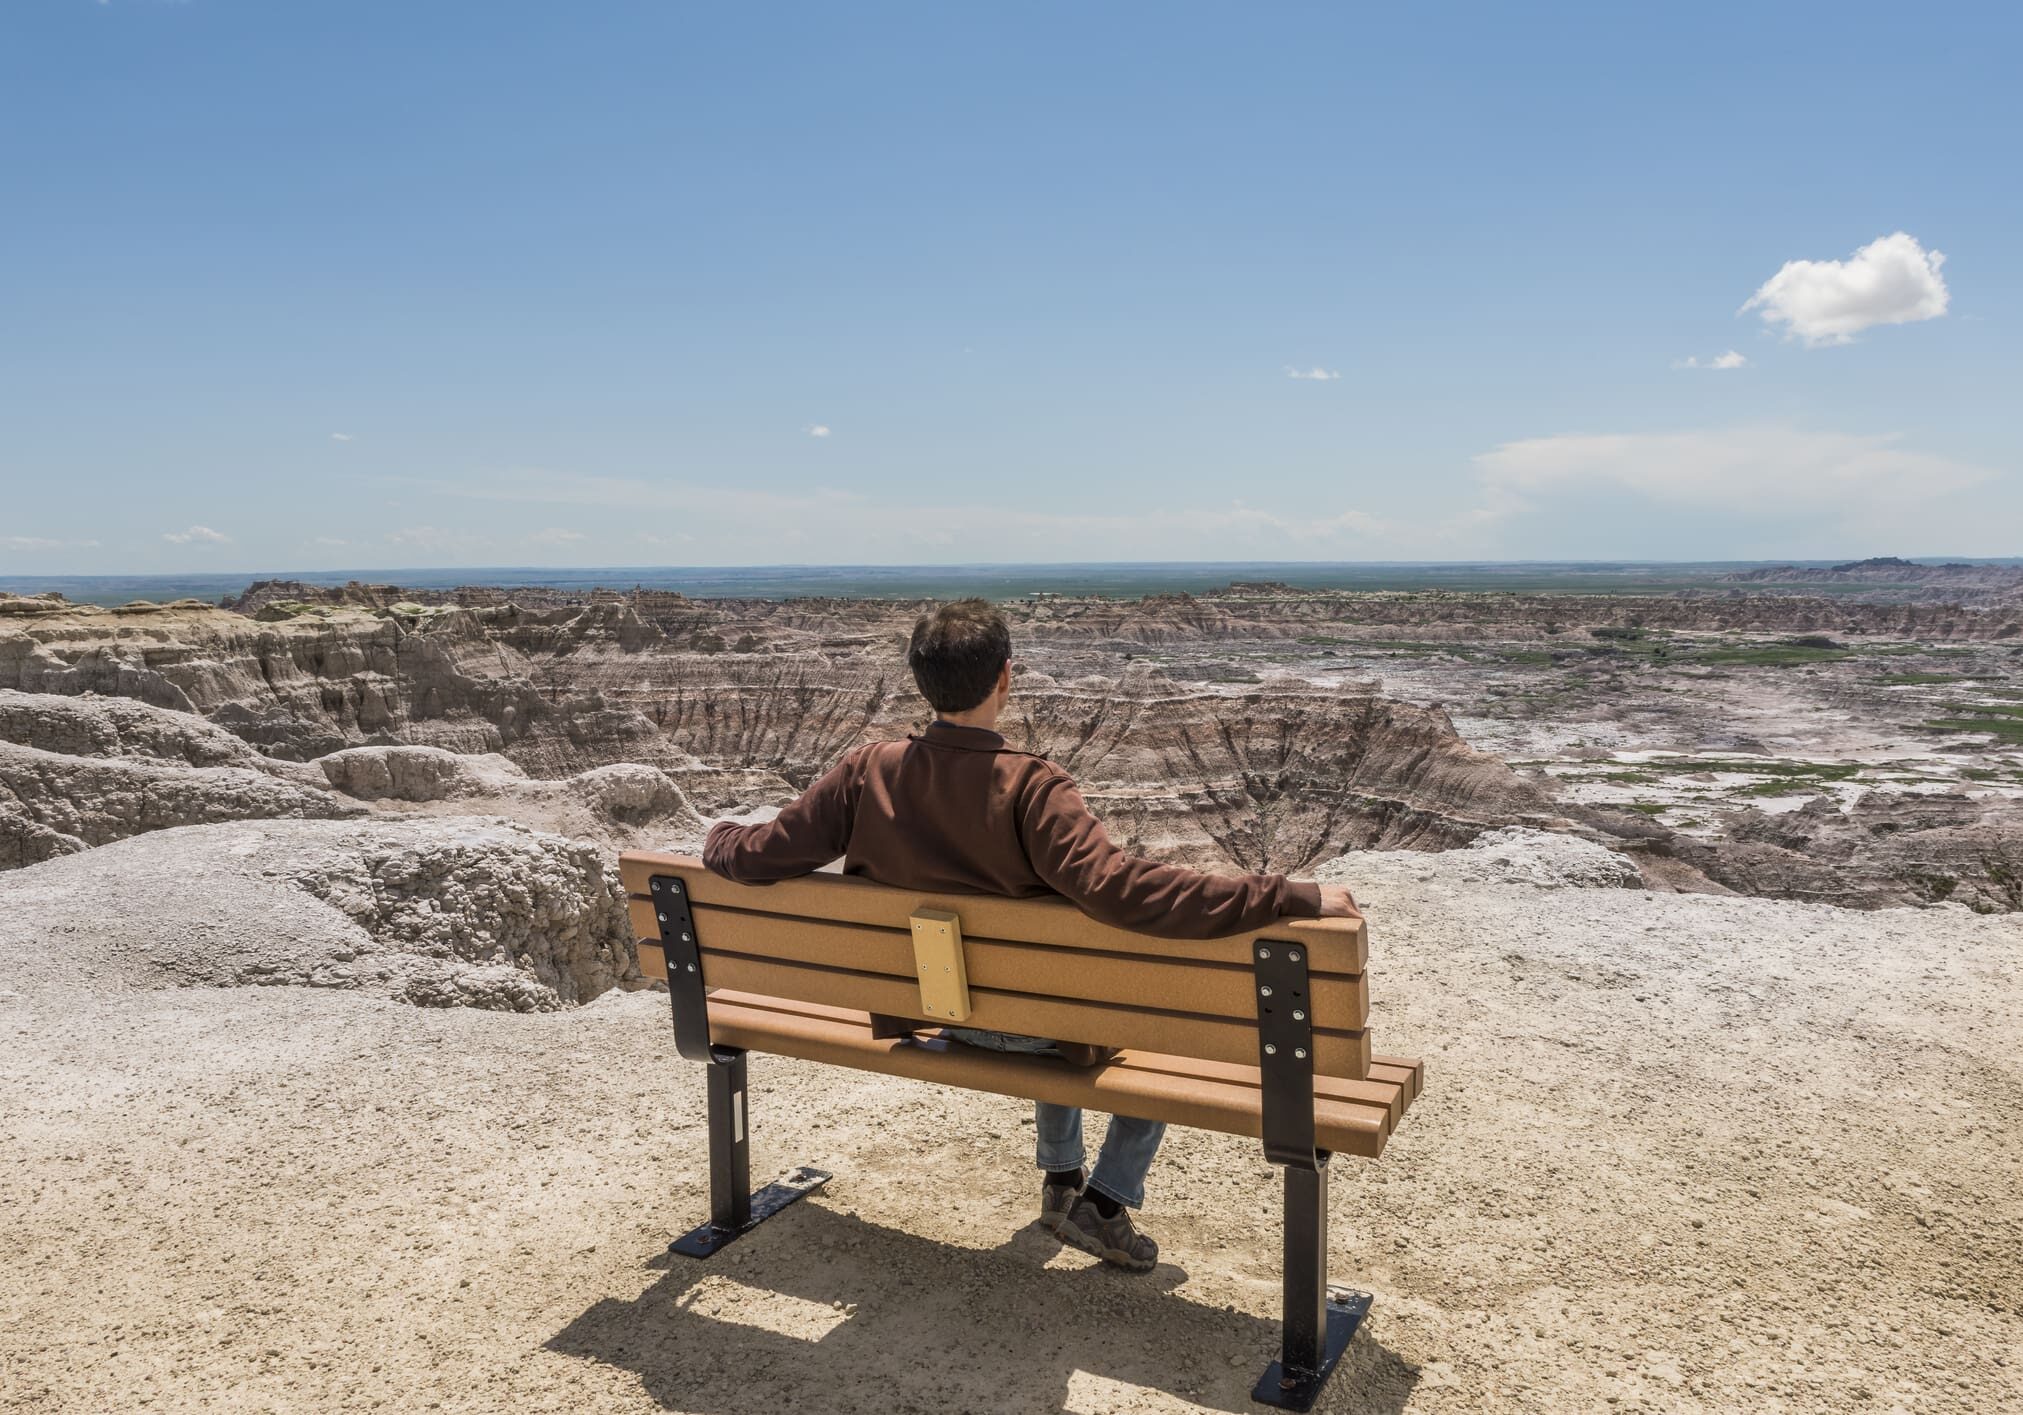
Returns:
(960,655)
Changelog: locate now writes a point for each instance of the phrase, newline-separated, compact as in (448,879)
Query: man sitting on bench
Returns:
(954,810)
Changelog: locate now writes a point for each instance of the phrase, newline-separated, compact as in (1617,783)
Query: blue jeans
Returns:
(1128,1145)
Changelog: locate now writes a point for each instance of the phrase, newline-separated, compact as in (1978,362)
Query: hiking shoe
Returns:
(1055,1202)
(1114,1240)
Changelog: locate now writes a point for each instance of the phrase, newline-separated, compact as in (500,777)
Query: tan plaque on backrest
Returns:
(937,957)
(1037,967)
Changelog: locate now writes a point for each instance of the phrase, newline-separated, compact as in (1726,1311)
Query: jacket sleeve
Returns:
(1071,851)
(813,830)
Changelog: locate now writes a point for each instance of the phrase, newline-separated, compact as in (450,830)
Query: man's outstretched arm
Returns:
(811,831)
(1071,851)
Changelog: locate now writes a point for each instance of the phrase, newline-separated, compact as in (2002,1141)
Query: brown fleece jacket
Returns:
(954,810)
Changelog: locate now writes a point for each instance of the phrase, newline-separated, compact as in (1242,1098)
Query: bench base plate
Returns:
(703,1241)
(1297,1389)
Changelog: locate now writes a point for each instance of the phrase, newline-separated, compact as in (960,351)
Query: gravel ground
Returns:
(1676,1153)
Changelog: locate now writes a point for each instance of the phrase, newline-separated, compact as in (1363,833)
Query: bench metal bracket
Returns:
(733,1208)
(1319,1322)
(1285,1044)
(684,967)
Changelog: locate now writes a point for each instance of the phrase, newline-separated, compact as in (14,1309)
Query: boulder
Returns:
(436,912)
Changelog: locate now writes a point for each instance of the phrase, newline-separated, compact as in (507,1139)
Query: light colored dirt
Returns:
(1677,1153)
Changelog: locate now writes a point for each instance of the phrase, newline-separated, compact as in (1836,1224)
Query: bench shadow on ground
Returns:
(821,1310)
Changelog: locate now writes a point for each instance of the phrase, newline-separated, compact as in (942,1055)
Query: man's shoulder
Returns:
(1007,760)
(1033,771)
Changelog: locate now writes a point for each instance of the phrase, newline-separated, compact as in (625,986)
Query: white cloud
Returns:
(818,430)
(1729,360)
(555,535)
(340,437)
(1891,280)
(329,540)
(196,535)
(30,544)
(1316,374)
(1829,490)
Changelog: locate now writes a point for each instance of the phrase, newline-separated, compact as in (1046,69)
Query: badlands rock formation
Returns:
(461,911)
(1257,728)
(1273,779)
(78,772)
(614,802)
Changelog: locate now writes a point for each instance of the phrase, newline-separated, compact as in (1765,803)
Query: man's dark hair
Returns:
(957,652)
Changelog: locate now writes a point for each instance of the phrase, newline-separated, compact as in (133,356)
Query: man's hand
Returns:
(1338,903)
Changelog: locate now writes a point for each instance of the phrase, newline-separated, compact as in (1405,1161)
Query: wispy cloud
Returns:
(329,540)
(340,437)
(1827,489)
(818,430)
(1729,360)
(196,535)
(1891,280)
(29,544)
(555,535)
(1316,374)
(434,540)
(747,525)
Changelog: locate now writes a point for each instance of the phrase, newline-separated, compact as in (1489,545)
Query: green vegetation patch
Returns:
(1633,643)
(2004,729)
(1419,647)
(1987,709)
(1789,655)
(1812,771)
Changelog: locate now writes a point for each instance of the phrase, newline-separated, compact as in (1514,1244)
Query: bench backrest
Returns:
(1039,967)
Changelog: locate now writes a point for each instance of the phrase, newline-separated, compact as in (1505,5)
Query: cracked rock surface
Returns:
(471,912)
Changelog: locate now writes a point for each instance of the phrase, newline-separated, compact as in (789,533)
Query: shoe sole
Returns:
(1072,1235)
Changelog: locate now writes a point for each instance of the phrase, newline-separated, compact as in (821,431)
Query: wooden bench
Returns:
(1260,1034)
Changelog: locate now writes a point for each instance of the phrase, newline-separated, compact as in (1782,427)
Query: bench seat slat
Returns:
(1333,945)
(1390,1094)
(1152,1088)
(1337,1052)
(1409,1072)
(1216,990)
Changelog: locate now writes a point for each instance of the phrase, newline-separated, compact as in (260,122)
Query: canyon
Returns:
(1776,743)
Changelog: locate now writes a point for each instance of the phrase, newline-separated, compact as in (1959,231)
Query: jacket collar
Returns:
(970,739)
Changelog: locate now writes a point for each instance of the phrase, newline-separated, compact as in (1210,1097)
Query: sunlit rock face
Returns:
(454,911)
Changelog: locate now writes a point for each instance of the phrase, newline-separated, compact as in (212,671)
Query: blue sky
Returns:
(326,285)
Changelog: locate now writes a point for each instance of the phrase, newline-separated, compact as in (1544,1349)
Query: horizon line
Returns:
(985,565)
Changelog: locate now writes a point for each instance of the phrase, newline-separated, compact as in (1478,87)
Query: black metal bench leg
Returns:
(730,1147)
(733,1207)
(1318,1324)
